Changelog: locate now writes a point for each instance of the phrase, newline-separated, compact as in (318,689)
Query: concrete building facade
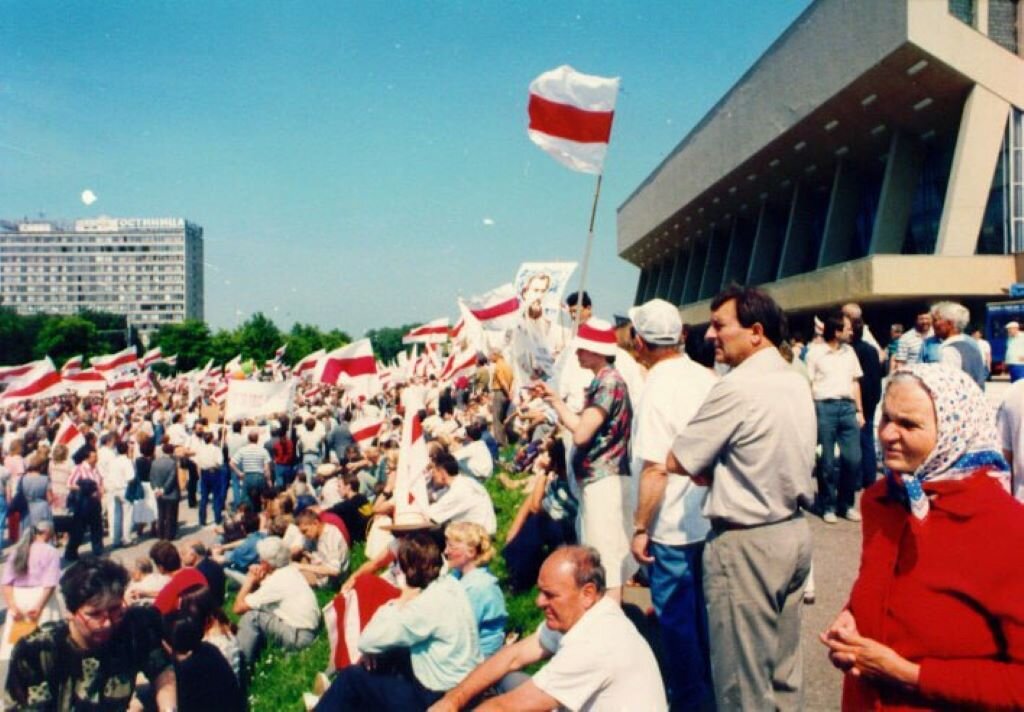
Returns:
(873,153)
(150,269)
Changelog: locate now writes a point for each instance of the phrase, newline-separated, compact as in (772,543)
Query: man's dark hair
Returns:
(419,557)
(474,431)
(92,578)
(351,480)
(182,632)
(448,463)
(165,555)
(834,324)
(857,325)
(755,306)
(574,298)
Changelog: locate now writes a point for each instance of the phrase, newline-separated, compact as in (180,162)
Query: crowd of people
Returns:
(682,460)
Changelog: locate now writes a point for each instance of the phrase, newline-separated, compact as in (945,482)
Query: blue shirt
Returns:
(244,555)
(488,605)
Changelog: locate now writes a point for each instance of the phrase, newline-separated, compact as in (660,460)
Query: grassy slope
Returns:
(279,678)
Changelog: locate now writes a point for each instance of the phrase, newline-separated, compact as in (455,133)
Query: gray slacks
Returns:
(256,625)
(753,585)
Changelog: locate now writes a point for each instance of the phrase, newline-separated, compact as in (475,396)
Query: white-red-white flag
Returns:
(497,309)
(350,612)
(69,435)
(171,360)
(85,382)
(72,366)
(413,463)
(458,364)
(433,332)
(353,366)
(10,374)
(279,353)
(43,381)
(571,116)
(308,363)
(121,388)
(150,357)
(109,363)
(364,430)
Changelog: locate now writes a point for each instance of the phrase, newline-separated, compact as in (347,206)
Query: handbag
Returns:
(19,504)
(134,491)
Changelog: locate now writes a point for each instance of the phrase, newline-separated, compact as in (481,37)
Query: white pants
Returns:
(605,523)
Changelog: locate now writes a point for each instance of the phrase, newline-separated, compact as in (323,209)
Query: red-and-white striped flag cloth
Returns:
(364,430)
(112,362)
(121,388)
(220,393)
(72,366)
(433,332)
(347,615)
(458,364)
(69,435)
(413,461)
(10,374)
(150,357)
(308,363)
(571,116)
(353,366)
(279,353)
(497,309)
(84,382)
(43,381)
(171,360)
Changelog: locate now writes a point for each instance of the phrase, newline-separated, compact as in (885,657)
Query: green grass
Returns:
(280,677)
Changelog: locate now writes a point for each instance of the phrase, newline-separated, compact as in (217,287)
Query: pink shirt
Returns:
(43,568)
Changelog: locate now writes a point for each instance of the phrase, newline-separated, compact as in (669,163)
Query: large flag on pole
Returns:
(497,309)
(85,382)
(72,366)
(571,116)
(113,362)
(352,366)
(434,332)
(308,363)
(41,382)
(10,374)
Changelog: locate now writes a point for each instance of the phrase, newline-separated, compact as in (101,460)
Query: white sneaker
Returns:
(852,515)
(830,518)
(309,701)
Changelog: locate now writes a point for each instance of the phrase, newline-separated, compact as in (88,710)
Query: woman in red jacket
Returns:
(936,615)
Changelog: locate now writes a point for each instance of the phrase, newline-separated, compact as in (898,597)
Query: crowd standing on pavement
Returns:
(646,455)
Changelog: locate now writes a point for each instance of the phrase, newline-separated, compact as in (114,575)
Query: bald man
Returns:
(604,665)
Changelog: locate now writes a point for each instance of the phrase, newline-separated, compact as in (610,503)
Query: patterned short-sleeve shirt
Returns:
(607,453)
(48,672)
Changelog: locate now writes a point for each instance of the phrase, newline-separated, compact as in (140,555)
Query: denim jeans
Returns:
(837,478)
(310,461)
(282,475)
(677,592)
(3,516)
(212,485)
(868,454)
(118,510)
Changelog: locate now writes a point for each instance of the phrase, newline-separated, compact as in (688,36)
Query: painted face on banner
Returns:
(533,294)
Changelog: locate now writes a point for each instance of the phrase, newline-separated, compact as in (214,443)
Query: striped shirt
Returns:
(84,471)
(251,459)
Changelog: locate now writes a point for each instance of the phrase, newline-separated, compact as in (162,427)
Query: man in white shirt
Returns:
(327,550)
(117,471)
(1010,421)
(598,659)
(835,384)
(213,478)
(474,456)
(668,528)
(949,321)
(275,601)
(463,499)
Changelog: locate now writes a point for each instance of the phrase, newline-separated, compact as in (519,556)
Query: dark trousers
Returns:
(166,518)
(837,424)
(193,481)
(677,592)
(538,537)
(868,456)
(88,515)
(499,409)
(356,688)
(213,485)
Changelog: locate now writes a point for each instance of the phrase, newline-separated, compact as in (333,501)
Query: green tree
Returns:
(62,337)
(15,342)
(224,346)
(258,337)
(302,340)
(387,341)
(336,338)
(190,340)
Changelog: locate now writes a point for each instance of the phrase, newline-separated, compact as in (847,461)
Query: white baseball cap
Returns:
(657,322)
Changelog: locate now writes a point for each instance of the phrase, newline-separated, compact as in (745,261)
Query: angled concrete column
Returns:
(902,171)
(978,142)
(799,234)
(641,286)
(764,257)
(718,245)
(737,259)
(652,283)
(695,270)
(675,289)
(841,221)
(665,278)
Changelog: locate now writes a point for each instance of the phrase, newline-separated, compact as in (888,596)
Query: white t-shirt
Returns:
(833,371)
(601,664)
(673,392)
(465,501)
(1009,420)
(286,594)
(475,459)
(331,549)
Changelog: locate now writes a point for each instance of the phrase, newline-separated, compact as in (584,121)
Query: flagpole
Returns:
(586,251)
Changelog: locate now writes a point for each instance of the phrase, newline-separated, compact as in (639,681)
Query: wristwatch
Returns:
(639,530)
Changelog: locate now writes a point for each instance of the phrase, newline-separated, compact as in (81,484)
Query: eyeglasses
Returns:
(96,618)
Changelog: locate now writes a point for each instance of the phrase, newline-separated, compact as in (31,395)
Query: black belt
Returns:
(723,525)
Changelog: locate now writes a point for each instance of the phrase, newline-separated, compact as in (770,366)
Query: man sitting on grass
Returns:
(598,658)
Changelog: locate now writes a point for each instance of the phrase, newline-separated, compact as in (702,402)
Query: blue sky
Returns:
(354,165)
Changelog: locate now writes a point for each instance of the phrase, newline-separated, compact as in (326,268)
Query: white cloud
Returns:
(488,222)
(88,197)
